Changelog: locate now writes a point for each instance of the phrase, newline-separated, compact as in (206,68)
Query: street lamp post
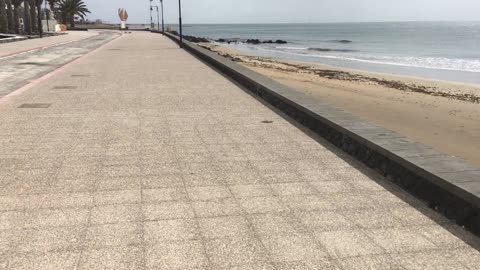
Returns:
(180,22)
(163,21)
(158,19)
(39,17)
(151,19)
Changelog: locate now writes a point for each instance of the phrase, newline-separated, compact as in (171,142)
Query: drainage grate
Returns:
(114,49)
(58,87)
(35,105)
(80,75)
(267,122)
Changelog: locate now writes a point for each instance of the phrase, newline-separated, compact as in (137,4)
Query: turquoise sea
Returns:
(437,50)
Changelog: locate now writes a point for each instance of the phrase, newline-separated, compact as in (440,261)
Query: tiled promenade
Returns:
(148,159)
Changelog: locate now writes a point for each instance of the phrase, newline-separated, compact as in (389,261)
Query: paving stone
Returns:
(224,227)
(234,251)
(116,213)
(113,235)
(50,260)
(171,230)
(112,258)
(258,205)
(341,244)
(215,208)
(288,248)
(401,240)
(176,255)
(167,210)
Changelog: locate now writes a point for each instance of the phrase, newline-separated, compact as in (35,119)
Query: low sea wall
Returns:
(446,183)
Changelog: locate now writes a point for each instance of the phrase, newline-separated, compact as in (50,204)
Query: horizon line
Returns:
(283,23)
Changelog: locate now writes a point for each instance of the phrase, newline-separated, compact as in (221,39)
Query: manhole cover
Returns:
(58,87)
(80,75)
(35,105)
(267,122)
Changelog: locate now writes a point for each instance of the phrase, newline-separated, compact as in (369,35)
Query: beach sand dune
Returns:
(444,115)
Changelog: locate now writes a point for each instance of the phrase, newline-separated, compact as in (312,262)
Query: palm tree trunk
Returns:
(16,19)
(39,19)
(3,18)
(33,17)
(28,19)
(72,21)
(11,24)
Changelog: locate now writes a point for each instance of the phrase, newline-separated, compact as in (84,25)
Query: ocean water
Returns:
(436,50)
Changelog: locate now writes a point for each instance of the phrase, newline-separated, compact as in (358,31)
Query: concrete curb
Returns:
(449,185)
(12,39)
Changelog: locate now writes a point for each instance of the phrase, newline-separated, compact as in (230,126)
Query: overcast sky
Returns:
(291,11)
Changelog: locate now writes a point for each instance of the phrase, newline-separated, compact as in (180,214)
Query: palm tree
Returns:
(68,9)
(38,4)
(16,15)
(33,16)
(3,18)
(11,24)
(52,4)
(28,18)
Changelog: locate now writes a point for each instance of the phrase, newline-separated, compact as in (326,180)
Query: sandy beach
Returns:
(444,115)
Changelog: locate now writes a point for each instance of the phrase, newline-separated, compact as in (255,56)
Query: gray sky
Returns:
(291,11)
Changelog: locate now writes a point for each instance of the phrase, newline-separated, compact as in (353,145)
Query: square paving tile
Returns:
(258,205)
(386,262)
(171,230)
(401,240)
(45,240)
(325,221)
(208,193)
(39,218)
(374,218)
(167,210)
(309,202)
(245,191)
(162,181)
(111,235)
(117,197)
(50,261)
(430,261)
(164,194)
(291,248)
(116,213)
(219,207)
(317,264)
(118,183)
(295,188)
(203,180)
(176,255)
(275,224)
(341,244)
(112,258)
(223,227)
(234,251)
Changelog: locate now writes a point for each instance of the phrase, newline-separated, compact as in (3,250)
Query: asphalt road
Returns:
(20,69)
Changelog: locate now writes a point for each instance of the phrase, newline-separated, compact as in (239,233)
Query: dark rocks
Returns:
(196,39)
(341,41)
(330,50)
(278,41)
(250,41)
(253,41)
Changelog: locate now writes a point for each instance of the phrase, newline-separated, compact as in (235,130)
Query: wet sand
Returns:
(444,115)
